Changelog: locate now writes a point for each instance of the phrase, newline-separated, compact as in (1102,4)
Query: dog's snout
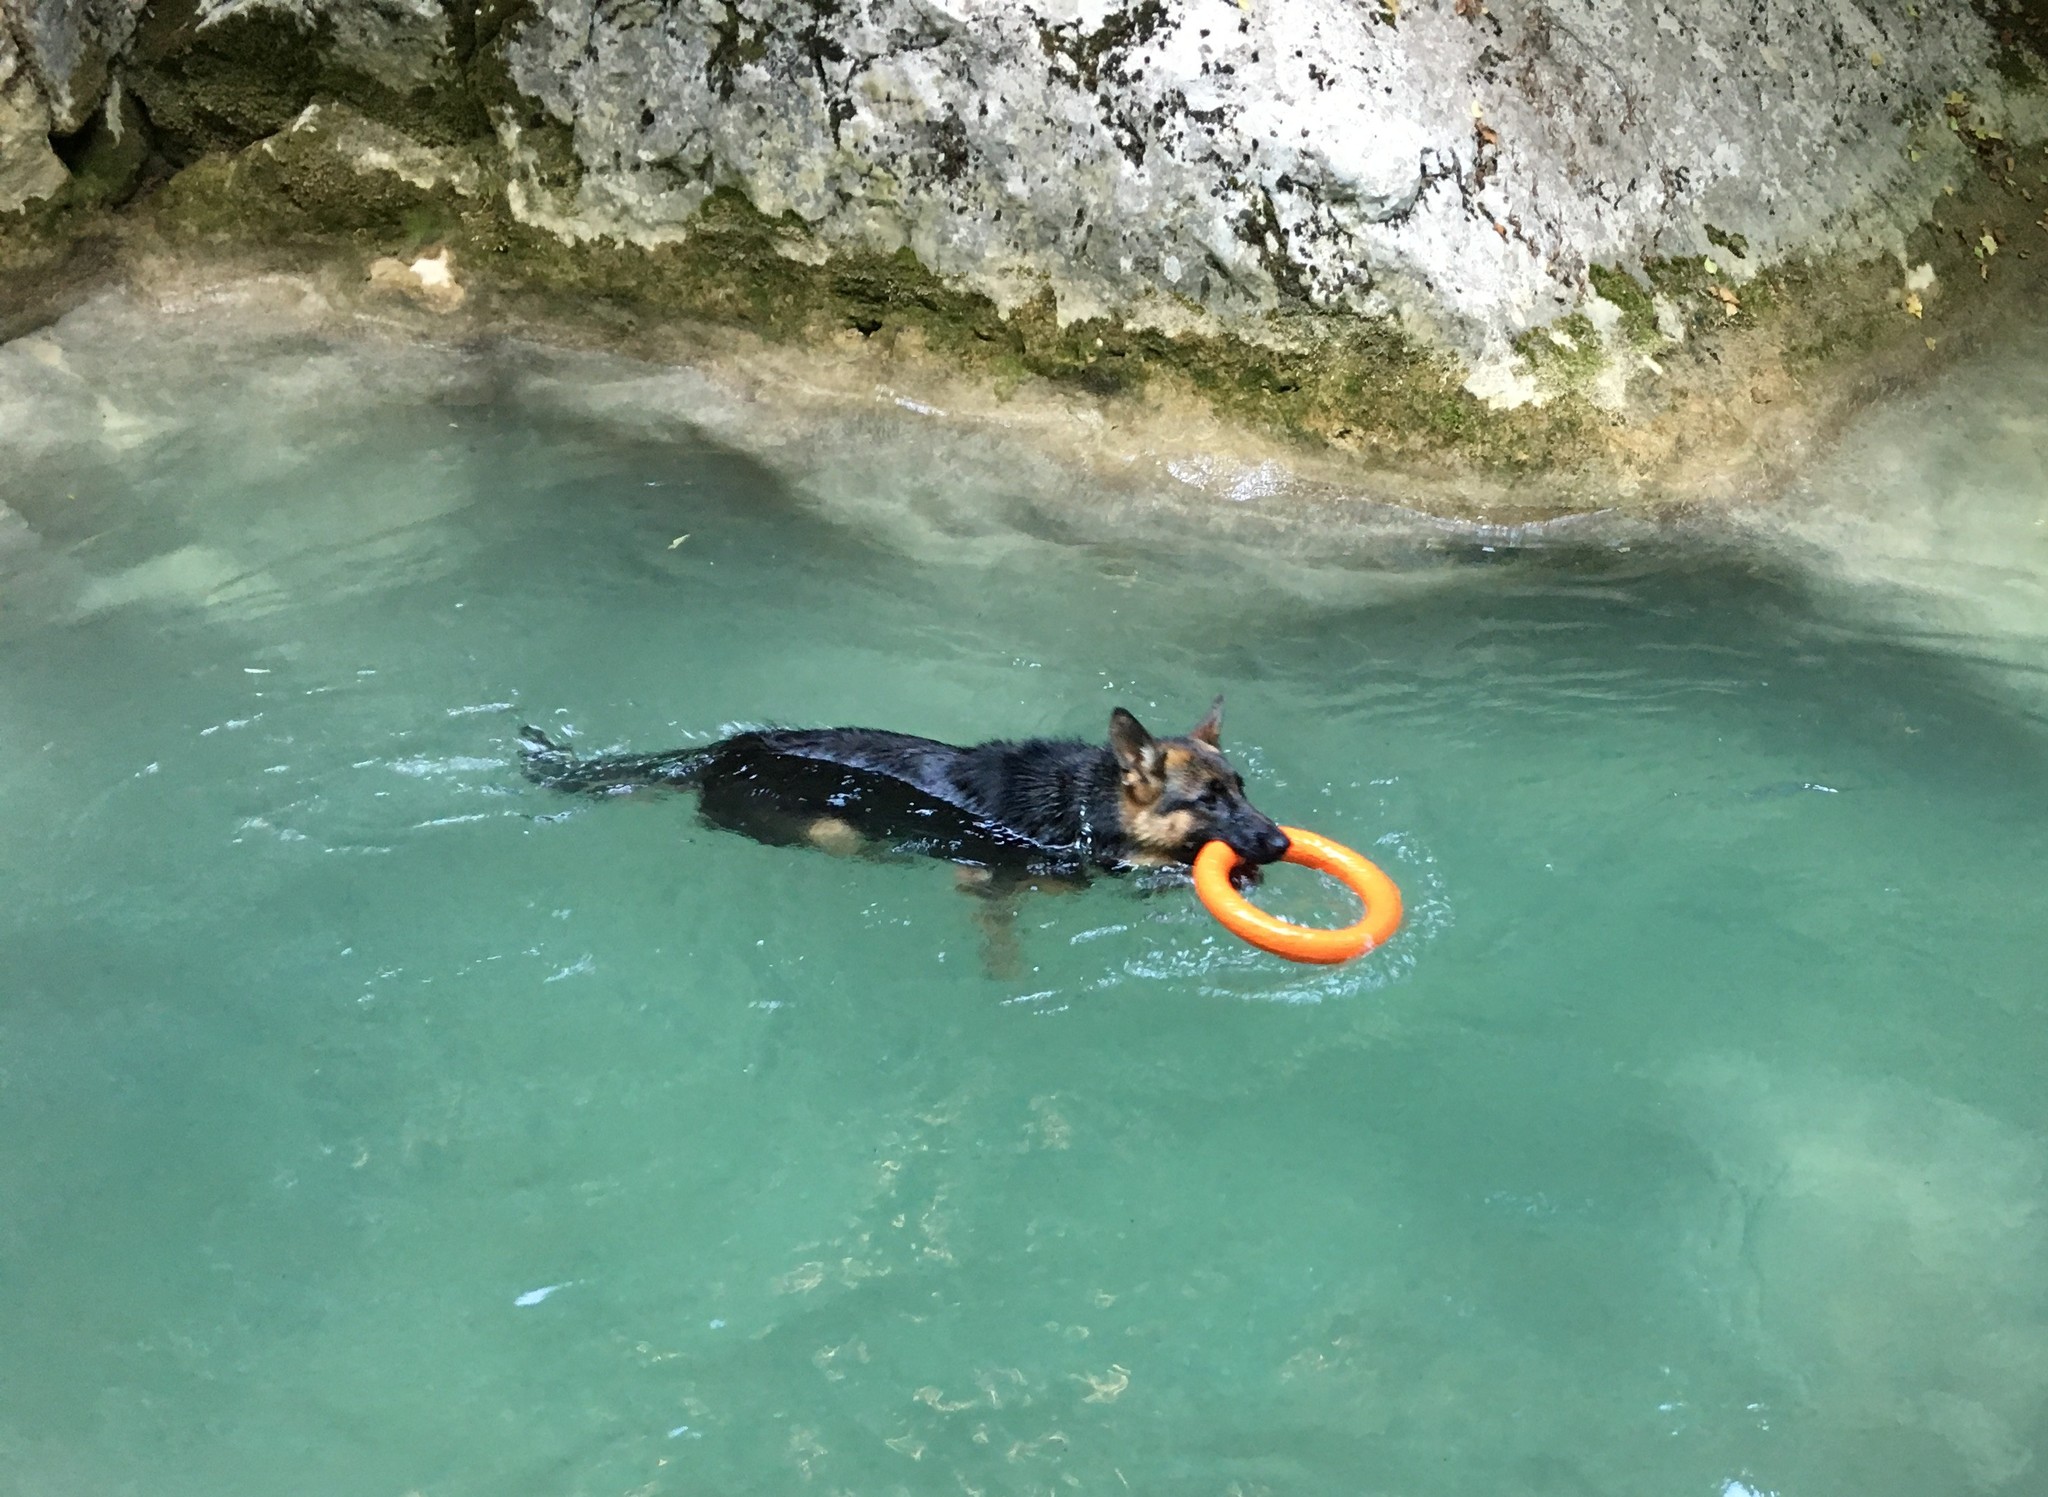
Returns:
(1260,841)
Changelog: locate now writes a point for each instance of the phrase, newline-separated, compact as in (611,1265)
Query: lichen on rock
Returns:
(1460,168)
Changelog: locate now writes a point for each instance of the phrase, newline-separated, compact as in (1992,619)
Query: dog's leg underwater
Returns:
(997,895)
(995,916)
(548,763)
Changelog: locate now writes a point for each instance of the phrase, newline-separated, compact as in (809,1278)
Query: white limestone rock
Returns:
(1458,166)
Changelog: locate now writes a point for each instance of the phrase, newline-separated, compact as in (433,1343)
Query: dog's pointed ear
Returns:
(1210,729)
(1135,751)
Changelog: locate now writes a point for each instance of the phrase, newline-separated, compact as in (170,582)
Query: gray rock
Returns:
(1169,161)
(68,46)
(29,169)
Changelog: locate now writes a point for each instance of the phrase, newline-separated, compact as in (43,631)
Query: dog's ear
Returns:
(1210,729)
(1135,751)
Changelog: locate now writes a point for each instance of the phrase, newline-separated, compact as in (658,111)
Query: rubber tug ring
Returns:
(1303,943)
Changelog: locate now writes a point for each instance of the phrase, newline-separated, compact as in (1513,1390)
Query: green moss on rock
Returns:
(225,86)
(1638,310)
(107,158)
(1352,382)
(1565,356)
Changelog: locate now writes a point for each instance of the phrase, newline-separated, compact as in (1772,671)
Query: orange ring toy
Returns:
(1302,943)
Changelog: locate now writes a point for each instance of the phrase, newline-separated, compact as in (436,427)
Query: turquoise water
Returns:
(376,1123)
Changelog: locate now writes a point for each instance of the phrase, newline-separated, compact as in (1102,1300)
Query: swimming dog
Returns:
(1010,814)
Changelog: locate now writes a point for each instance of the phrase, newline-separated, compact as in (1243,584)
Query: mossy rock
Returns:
(224,86)
(107,162)
(228,85)
(1638,308)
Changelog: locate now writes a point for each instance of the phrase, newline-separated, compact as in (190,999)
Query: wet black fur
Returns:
(1035,806)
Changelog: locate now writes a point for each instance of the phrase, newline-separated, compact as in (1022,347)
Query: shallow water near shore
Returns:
(379,1123)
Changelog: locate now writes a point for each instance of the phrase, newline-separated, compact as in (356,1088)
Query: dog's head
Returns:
(1179,793)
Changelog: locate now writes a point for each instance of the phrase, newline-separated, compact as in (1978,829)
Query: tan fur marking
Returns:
(1159,838)
(1191,773)
(830,834)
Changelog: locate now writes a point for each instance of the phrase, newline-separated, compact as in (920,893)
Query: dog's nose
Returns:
(1272,845)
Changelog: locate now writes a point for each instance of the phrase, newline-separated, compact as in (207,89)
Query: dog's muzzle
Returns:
(1266,844)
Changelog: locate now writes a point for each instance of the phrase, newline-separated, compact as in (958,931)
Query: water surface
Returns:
(377,1123)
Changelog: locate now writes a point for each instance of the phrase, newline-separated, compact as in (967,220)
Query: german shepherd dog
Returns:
(1040,813)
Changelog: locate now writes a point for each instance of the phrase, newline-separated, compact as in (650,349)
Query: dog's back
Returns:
(994,803)
(1042,803)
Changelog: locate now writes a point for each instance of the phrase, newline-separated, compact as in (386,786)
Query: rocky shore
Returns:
(1486,259)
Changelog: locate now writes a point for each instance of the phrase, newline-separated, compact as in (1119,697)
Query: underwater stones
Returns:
(1841,1193)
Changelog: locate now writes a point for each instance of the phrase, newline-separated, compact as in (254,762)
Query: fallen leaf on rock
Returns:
(1912,303)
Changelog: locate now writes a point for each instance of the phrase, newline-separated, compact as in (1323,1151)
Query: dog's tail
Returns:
(546,762)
